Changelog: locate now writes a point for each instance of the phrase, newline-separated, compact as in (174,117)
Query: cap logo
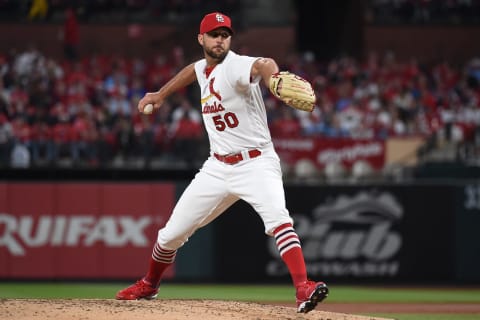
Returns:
(219,18)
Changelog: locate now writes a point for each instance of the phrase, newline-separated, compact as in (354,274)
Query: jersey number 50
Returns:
(229,120)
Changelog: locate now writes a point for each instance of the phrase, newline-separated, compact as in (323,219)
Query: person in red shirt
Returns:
(22,131)
(84,140)
(187,135)
(6,140)
(62,135)
(145,139)
(286,126)
(42,143)
(71,35)
(20,156)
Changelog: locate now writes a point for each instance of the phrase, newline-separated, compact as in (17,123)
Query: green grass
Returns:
(404,295)
(280,293)
(404,316)
(259,293)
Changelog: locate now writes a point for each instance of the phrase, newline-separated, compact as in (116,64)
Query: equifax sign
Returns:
(17,234)
(89,230)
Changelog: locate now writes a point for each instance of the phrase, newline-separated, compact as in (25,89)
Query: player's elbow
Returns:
(271,66)
(266,67)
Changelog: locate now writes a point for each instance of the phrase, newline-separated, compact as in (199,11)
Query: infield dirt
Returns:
(96,309)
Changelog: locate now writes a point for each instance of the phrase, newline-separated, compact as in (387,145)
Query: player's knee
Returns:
(169,241)
(272,225)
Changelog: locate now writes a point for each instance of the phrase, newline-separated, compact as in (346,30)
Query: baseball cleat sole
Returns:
(320,293)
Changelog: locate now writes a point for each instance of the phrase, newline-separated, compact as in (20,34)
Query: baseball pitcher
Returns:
(242,164)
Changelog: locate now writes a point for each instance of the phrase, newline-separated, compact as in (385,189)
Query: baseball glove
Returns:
(293,90)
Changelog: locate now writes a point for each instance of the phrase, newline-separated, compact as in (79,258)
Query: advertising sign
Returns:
(323,150)
(384,233)
(80,230)
(467,227)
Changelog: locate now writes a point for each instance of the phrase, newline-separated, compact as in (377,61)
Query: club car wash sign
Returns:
(396,233)
(80,230)
(349,236)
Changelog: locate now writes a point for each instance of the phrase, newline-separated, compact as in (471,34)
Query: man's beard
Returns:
(216,56)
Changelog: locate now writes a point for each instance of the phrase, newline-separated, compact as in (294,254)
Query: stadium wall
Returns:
(426,43)
(386,233)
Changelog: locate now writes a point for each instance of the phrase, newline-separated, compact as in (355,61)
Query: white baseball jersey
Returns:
(232,105)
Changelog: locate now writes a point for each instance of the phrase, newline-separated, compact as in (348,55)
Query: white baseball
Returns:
(148,108)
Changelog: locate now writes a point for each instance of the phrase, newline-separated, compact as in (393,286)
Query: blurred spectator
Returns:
(287,125)
(187,132)
(125,138)
(145,138)
(183,109)
(38,9)
(350,120)
(4,97)
(42,144)
(71,37)
(84,137)
(136,91)
(187,138)
(159,73)
(20,154)
(162,137)
(6,140)
(118,76)
(473,73)
(62,136)
(20,157)
(118,104)
(106,143)
(422,11)
(22,131)
(88,106)
(116,86)
(26,63)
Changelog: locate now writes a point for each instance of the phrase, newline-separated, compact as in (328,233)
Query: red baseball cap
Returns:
(215,20)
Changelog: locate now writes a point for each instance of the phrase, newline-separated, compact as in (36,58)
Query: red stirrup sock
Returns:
(159,262)
(288,245)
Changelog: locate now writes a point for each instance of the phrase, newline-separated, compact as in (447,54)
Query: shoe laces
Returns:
(142,285)
(303,288)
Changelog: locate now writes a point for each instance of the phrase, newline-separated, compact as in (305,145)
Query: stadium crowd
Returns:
(423,11)
(377,11)
(113,11)
(85,110)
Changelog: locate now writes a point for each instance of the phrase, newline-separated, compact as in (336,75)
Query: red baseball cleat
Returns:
(309,294)
(140,290)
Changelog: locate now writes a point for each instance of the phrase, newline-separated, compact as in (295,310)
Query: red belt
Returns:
(237,157)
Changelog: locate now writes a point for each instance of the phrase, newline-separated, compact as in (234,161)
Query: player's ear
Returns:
(200,39)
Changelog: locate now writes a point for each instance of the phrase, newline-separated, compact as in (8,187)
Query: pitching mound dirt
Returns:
(80,309)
